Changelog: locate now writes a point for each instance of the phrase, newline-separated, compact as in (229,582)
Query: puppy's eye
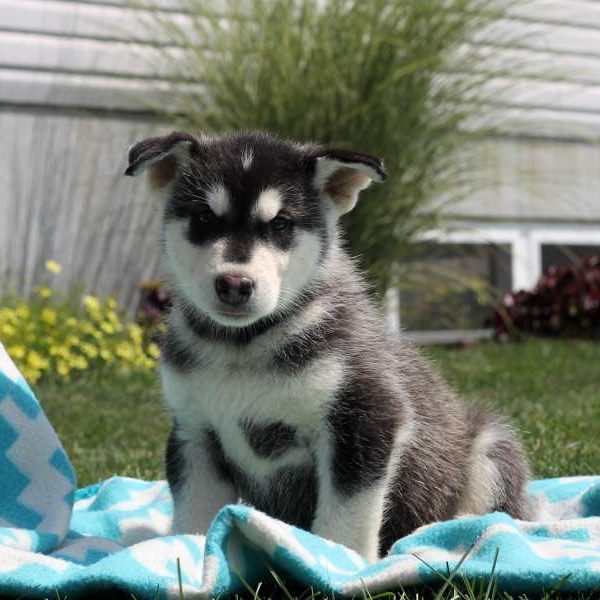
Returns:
(203,217)
(281,223)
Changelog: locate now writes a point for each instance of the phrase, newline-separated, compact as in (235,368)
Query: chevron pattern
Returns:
(38,481)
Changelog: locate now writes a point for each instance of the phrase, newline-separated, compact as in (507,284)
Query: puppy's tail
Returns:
(498,472)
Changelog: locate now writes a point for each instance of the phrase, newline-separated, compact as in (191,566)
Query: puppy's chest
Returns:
(262,418)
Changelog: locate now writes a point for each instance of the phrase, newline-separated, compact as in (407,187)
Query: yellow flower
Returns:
(71,322)
(30,374)
(23,311)
(72,340)
(114,320)
(48,316)
(91,303)
(44,292)
(63,352)
(136,333)
(111,302)
(78,362)
(89,350)
(123,350)
(16,352)
(7,314)
(8,330)
(89,328)
(107,328)
(53,266)
(62,368)
(106,355)
(153,350)
(37,361)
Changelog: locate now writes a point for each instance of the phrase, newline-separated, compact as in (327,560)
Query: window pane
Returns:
(563,255)
(453,286)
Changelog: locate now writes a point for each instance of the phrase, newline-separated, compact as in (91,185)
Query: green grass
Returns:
(551,389)
(109,425)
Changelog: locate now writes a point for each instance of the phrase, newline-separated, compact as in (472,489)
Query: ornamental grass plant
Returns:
(401,79)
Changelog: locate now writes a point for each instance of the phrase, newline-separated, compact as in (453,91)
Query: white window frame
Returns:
(525,240)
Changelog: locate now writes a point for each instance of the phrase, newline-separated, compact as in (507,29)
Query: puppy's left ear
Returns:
(162,157)
(340,175)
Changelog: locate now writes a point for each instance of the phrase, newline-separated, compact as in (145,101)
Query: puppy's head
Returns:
(249,217)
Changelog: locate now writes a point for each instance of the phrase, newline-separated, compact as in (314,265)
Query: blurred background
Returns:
(487,114)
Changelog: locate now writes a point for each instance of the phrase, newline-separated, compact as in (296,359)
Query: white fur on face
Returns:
(278,275)
(217,198)
(268,205)
(301,268)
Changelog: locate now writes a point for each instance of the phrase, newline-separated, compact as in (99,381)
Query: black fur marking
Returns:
(292,493)
(269,440)
(177,354)
(350,156)
(292,496)
(363,422)
(174,461)
(238,249)
(301,349)
(221,463)
(276,165)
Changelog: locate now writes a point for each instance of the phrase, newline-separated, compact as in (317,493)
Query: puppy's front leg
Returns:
(351,498)
(199,480)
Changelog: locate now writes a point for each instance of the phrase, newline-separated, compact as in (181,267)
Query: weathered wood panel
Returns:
(63,196)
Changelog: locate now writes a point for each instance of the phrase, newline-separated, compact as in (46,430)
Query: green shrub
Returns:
(52,337)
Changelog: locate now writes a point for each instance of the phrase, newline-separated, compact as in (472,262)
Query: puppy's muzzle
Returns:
(234,290)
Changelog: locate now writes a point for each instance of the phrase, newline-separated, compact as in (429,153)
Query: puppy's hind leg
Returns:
(497,473)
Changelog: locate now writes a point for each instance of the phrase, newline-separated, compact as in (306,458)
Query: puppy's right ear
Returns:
(162,157)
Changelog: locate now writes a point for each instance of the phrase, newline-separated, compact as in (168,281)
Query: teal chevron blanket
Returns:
(115,534)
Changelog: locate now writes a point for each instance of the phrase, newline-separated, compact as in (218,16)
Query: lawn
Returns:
(551,389)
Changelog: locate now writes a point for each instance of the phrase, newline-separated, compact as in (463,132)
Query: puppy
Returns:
(284,386)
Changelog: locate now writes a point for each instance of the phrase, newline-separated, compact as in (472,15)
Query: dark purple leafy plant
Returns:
(565,302)
(154,304)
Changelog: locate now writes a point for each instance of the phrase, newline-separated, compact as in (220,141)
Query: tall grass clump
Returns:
(396,78)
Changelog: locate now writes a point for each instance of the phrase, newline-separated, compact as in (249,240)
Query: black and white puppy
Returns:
(284,386)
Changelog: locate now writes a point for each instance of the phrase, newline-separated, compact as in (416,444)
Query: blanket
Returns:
(115,535)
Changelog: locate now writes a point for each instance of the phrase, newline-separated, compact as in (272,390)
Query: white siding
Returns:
(533,179)
(551,49)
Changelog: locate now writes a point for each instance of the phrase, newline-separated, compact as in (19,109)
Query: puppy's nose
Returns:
(233,289)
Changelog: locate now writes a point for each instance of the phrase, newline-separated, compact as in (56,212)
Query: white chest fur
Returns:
(233,385)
